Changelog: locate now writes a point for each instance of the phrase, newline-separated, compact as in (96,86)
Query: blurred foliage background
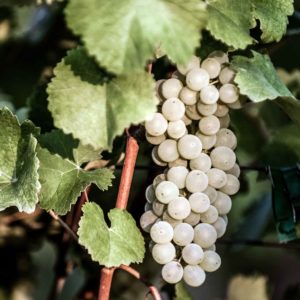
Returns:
(38,260)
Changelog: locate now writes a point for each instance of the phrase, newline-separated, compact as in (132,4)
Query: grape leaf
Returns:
(19,182)
(62,181)
(181,292)
(66,146)
(229,21)
(257,79)
(96,114)
(127,33)
(272,15)
(122,243)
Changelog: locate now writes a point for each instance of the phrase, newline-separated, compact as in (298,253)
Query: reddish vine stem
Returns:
(132,149)
(77,213)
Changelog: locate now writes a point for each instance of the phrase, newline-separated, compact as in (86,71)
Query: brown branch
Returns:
(132,149)
(152,289)
(63,224)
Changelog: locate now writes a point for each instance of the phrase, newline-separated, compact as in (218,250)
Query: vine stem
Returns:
(132,149)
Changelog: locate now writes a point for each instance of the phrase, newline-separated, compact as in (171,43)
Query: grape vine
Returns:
(191,78)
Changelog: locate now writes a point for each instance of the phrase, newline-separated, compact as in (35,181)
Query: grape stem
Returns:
(132,149)
(152,289)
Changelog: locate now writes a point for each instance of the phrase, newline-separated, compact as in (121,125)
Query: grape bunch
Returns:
(187,205)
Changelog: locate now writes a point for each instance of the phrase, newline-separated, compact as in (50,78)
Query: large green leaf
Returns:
(96,114)
(19,182)
(231,20)
(62,181)
(257,79)
(272,15)
(66,146)
(121,243)
(125,34)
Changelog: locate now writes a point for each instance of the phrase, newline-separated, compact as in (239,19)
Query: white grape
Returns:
(157,180)
(232,185)
(178,162)
(173,222)
(225,137)
(188,96)
(178,76)
(192,112)
(235,171)
(208,141)
(171,88)
(158,86)
(187,121)
(193,275)
(166,191)
(167,150)
(150,193)
(196,181)
(220,226)
(147,219)
(228,93)
(222,110)
(211,248)
(163,253)
(224,121)
(173,109)
(192,254)
(205,235)
(199,202)
(157,125)
(209,125)
(158,208)
(197,78)
(178,175)
(211,193)
(183,234)
(189,146)
(179,208)
(226,75)
(211,261)
(147,206)
(172,272)
(220,56)
(156,159)
(161,232)
(212,66)
(216,178)
(206,109)
(223,203)
(222,158)
(192,219)
(209,94)
(193,63)
(176,129)
(210,216)
(235,105)
(202,163)
(225,218)
(155,140)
